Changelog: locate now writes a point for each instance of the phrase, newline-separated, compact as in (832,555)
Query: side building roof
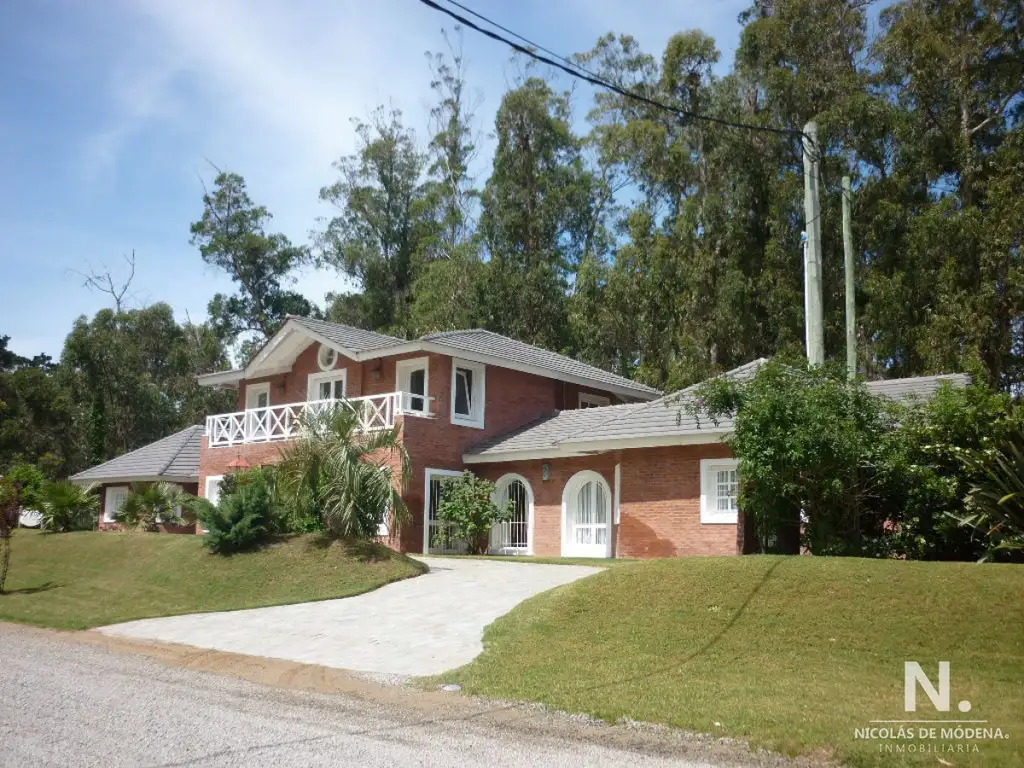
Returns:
(174,458)
(665,421)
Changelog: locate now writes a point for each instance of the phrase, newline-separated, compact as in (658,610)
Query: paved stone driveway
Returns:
(420,626)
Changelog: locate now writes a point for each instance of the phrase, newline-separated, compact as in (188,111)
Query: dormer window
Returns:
(327,358)
(468,394)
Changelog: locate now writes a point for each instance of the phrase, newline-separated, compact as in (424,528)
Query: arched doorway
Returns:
(514,537)
(587,516)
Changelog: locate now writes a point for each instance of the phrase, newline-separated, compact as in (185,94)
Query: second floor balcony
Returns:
(284,422)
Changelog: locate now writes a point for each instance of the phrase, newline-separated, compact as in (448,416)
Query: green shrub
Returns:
(68,507)
(241,521)
(923,478)
(30,480)
(151,503)
(803,438)
(826,465)
(467,507)
(995,505)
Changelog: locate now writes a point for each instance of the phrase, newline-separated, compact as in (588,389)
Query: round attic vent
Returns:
(327,358)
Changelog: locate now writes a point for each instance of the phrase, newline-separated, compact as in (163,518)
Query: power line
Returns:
(590,77)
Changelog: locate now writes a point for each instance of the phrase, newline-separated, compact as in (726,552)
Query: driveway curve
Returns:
(420,626)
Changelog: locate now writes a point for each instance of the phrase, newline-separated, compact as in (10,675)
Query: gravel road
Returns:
(68,703)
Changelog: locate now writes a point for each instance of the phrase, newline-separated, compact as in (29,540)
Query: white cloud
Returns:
(268,89)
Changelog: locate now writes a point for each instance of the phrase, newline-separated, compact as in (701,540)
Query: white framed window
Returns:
(468,393)
(412,377)
(326,358)
(719,490)
(329,385)
(588,400)
(212,493)
(212,490)
(113,498)
(257,395)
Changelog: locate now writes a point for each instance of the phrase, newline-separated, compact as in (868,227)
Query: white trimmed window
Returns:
(588,400)
(412,377)
(468,393)
(329,385)
(213,488)
(113,498)
(719,490)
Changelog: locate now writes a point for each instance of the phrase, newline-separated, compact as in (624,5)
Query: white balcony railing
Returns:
(284,422)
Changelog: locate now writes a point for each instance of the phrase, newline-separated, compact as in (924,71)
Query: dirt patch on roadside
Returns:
(423,707)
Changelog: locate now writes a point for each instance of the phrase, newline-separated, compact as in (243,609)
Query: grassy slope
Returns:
(792,653)
(79,580)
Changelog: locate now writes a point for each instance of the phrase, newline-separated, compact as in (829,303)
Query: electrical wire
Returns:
(560,62)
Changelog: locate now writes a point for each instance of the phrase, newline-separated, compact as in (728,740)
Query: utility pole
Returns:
(851,328)
(812,251)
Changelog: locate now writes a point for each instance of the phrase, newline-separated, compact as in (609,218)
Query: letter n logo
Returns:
(913,674)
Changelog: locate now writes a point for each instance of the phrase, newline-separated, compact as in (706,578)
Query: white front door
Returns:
(587,530)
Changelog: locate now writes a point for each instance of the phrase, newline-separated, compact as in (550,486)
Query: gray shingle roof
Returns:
(354,339)
(483,342)
(175,456)
(918,387)
(663,418)
(552,429)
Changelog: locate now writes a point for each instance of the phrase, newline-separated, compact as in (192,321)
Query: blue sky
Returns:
(111,111)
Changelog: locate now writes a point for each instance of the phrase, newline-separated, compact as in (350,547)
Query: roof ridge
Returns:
(303,318)
(917,378)
(181,447)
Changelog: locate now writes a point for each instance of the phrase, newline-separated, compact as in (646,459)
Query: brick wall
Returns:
(214,461)
(659,501)
(102,526)
(660,504)
(547,494)
(513,399)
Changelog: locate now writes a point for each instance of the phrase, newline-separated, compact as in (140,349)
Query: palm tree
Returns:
(68,507)
(995,504)
(345,477)
(152,503)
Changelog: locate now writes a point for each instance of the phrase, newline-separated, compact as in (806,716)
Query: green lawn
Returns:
(596,562)
(790,653)
(80,580)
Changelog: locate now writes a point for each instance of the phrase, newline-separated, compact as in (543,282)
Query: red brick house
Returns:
(596,465)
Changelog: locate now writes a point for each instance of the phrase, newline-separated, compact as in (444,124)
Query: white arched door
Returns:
(514,537)
(587,516)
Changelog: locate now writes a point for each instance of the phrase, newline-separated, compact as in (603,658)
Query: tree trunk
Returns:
(5,560)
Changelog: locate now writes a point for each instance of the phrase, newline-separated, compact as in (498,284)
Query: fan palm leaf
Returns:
(345,476)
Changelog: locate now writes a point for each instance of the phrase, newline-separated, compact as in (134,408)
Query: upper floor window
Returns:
(588,400)
(412,377)
(719,490)
(329,385)
(468,393)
